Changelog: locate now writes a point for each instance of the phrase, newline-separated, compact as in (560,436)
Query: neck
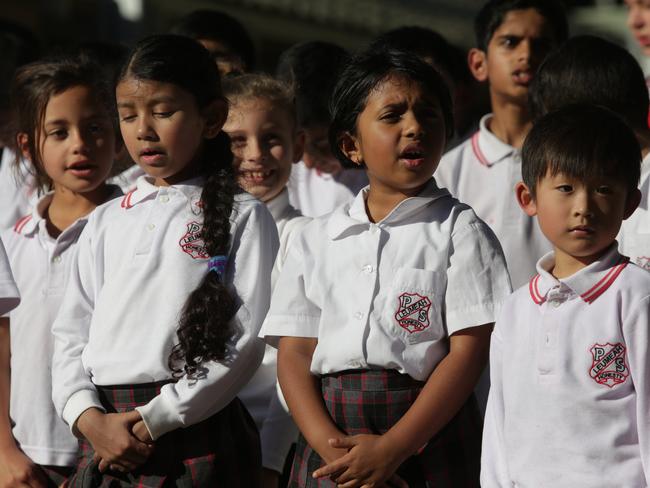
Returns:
(644,141)
(567,265)
(510,121)
(67,206)
(382,200)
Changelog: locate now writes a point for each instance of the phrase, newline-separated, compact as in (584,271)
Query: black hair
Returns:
(109,55)
(588,69)
(364,74)
(311,69)
(582,141)
(221,27)
(493,12)
(205,326)
(428,45)
(33,86)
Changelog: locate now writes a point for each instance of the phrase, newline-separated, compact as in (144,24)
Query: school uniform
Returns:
(570,398)
(127,180)
(315,193)
(41,265)
(262,395)
(382,299)
(17,190)
(139,258)
(9,296)
(634,236)
(482,172)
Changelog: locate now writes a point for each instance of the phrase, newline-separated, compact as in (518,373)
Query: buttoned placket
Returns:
(548,334)
(153,222)
(56,269)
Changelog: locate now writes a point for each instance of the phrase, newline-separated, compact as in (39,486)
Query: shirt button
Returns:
(367,269)
(56,259)
(358,315)
(548,339)
(151,226)
(555,303)
(164,199)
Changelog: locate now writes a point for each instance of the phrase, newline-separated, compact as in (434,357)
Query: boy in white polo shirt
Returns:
(513,36)
(570,398)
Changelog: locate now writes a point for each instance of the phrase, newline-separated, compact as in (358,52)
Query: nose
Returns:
(524,50)
(583,204)
(145,130)
(253,151)
(80,141)
(413,126)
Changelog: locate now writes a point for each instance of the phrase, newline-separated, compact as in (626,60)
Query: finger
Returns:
(119,468)
(103,466)
(138,451)
(343,442)
(96,458)
(331,468)
(132,417)
(353,483)
(398,482)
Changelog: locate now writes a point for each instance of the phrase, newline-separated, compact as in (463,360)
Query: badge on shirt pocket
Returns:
(192,242)
(415,303)
(609,364)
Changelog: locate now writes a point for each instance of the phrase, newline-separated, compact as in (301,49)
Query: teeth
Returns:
(256,174)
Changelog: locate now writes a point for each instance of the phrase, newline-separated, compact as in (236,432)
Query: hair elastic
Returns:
(218,265)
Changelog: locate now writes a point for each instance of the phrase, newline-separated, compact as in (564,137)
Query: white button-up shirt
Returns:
(570,398)
(138,260)
(262,395)
(9,296)
(41,266)
(482,172)
(634,237)
(18,193)
(388,294)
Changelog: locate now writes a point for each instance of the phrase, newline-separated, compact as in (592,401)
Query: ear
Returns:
(215,115)
(525,199)
(632,202)
(298,145)
(477,62)
(23,144)
(350,148)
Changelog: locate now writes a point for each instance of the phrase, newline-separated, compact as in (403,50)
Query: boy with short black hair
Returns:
(512,38)
(570,398)
(588,69)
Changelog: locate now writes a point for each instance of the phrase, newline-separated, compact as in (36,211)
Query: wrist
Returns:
(395,447)
(88,420)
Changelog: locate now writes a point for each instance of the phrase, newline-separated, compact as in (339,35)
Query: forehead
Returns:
(72,99)
(398,89)
(523,22)
(136,90)
(256,113)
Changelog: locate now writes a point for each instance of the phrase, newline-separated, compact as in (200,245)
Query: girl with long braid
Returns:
(158,329)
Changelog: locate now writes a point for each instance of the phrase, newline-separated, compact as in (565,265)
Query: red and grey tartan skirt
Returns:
(221,451)
(371,402)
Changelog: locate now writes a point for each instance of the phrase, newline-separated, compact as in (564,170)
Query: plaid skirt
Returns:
(56,475)
(221,451)
(371,402)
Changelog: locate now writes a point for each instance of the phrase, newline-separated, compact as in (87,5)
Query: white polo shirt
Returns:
(17,190)
(482,172)
(127,180)
(9,296)
(315,193)
(388,294)
(570,363)
(634,236)
(41,266)
(138,260)
(261,395)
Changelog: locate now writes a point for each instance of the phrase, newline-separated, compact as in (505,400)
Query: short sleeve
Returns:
(9,296)
(477,277)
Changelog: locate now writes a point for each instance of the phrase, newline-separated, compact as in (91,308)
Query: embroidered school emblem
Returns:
(192,242)
(413,312)
(196,205)
(644,262)
(608,366)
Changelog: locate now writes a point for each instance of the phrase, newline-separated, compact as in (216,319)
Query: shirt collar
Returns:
(279,205)
(145,189)
(589,283)
(354,214)
(487,147)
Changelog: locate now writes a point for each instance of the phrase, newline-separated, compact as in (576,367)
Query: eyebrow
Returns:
(151,102)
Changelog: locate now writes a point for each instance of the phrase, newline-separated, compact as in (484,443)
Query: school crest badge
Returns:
(644,262)
(192,242)
(413,312)
(608,366)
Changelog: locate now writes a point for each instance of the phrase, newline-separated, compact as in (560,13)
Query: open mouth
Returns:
(257,176)
(151,155)
(412,155)
(81,168)
(523,77)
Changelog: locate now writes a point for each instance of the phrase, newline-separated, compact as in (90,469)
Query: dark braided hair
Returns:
(205,326)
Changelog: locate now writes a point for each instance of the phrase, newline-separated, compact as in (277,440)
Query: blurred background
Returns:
(276,24)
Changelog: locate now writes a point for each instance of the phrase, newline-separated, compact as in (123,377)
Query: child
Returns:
(64,129)
(266,142)
(223,36)
(512,38)
(158,329)
(387,304)
(9,296)
(576,73)
(569,355)
(638,21)
(318,183)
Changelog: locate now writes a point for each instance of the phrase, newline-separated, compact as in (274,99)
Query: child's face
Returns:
(318,154)
(264,145)
(163,128)
(581,219)
(227,61)
(514,53)
(638,21)
(400,136)
(77,140)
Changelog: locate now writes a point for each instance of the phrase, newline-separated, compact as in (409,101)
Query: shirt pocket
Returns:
(414,305)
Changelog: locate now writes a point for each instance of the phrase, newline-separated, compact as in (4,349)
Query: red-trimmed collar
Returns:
(589,283)
(487,147)
(145,189)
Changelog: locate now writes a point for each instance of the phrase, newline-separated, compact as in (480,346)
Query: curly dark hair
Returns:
(206,326)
